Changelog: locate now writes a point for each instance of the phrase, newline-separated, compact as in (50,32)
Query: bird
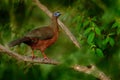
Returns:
(40,38)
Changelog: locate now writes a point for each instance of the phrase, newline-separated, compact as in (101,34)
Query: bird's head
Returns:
(56,14)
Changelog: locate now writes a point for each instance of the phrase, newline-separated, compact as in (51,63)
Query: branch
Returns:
(49,13)
(26,58)
(93,70)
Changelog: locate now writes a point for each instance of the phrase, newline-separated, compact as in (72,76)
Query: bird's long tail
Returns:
(17,42)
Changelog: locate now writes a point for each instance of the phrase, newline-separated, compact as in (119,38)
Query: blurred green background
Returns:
(95,24)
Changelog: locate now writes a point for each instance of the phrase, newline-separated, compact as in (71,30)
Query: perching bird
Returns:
(40,38)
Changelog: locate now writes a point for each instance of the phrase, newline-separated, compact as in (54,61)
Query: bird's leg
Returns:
(33,56)
(44,55)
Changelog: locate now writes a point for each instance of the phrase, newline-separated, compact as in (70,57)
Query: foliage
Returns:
(95,23)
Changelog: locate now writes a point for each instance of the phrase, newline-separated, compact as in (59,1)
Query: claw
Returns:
(33,57)
(46,58)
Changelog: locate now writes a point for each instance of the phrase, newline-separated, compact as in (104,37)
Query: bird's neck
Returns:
(54,24)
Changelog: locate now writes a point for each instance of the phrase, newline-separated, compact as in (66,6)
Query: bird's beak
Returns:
(60,14)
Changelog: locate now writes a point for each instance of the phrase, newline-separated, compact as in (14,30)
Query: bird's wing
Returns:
(42,33)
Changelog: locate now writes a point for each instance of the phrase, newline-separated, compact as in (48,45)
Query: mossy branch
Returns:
(92,69)
(26,58)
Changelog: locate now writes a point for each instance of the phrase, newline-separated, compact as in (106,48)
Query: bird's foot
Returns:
(33,57)
(46,58)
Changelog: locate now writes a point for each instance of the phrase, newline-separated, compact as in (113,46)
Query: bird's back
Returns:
(41,33)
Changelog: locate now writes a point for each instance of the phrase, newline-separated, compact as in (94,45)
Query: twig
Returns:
(49,13)
(26,58)
(91,69)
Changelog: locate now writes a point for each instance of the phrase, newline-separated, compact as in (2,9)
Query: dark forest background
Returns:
(95,24)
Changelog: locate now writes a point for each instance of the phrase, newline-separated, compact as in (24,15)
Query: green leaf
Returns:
(112,33)
(105,41)
(115,25)
(87,30)
(92,24)
(86,23)
(94,19)
(97,30)
(118,31)
(93,50)
(99,52)
(77,19)
(111,41)
(90,37)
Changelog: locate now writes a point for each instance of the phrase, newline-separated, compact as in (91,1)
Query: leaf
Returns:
(92,24)
(105,41)
(91,37)
(97,30)
(86,23)
(112,33)
(77,19)
(111,41)
(94,19)
(93,50)
(99,52)
(115,25)
(87,30)
(118,31)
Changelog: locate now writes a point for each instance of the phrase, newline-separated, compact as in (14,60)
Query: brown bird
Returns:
(40,38)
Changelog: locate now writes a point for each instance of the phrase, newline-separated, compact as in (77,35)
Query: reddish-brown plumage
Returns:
(43,44)
(41,38)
